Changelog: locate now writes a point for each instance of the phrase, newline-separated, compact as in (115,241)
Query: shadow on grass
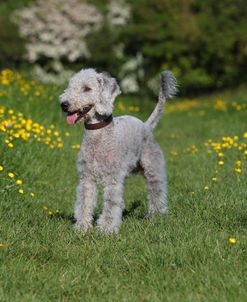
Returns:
(242,220)
(135,210)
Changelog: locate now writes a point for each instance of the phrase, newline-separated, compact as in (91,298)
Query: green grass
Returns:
(184,256)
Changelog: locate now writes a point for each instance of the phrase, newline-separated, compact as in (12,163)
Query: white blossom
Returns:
(154,83)
(47,77)
(56,29)
(130,72)
(129,84)
(119,12)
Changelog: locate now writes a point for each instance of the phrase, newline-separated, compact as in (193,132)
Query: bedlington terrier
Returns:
(113,147)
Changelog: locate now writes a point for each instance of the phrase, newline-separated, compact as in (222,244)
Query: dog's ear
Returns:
(109,90)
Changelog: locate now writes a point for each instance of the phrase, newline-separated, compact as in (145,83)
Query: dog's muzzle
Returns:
(75,116)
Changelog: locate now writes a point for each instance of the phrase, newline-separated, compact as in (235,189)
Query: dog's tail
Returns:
(168,89)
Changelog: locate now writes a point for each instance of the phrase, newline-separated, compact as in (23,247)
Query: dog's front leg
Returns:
(111,217)
(85,203)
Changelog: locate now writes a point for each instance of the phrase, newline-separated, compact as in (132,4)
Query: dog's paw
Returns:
(107,227)
(107,230)
(82,227)
(157,211)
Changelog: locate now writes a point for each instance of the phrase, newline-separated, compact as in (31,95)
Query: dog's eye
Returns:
(86,88)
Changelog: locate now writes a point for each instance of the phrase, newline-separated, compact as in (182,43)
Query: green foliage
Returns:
(102,50)
(203,42)
(12,46)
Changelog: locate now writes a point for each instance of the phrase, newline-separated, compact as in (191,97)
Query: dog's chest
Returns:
(98,158)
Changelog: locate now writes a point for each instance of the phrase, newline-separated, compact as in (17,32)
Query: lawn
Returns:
(196,253)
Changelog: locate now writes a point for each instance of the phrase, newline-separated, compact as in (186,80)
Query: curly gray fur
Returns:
(109,154)
(168,89)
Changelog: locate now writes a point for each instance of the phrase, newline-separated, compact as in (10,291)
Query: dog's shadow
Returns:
(135,210)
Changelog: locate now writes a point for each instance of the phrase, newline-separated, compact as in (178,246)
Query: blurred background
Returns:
(203,42)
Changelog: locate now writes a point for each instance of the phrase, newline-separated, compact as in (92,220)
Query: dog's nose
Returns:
(65,106)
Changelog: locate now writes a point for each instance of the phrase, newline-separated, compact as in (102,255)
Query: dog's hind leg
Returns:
(85,203)
(153,164)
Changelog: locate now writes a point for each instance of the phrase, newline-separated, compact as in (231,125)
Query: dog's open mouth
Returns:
(76,116)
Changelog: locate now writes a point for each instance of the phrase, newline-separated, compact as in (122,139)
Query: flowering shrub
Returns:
(56,30)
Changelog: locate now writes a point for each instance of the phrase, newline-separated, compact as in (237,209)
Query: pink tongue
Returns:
(72,118)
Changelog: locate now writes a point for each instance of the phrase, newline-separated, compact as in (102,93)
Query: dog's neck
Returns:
(98,122)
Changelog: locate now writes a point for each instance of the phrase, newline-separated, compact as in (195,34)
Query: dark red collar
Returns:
(99,125)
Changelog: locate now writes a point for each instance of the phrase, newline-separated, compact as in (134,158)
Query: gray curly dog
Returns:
(113,147)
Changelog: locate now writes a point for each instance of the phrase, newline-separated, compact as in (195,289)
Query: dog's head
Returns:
(88,95)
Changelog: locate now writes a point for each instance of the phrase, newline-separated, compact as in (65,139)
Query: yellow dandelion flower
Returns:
(206,188)
(245,152)
(56,133)
(11,175)
(174,152)
(21,191)
(245,135)
(220,105)
(50,213)
(19,182)
(238,170)
(214,178)
(1,168)
(121,106)
(32,194)
(67,134)
(77,146)
(238,162)
(10,145)
(5,82)
(232,240)
(220,154)
(221,163)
